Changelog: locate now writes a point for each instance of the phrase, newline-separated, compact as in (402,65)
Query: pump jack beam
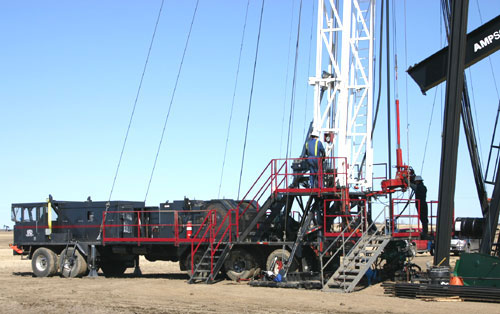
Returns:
(481,42)
(451,128)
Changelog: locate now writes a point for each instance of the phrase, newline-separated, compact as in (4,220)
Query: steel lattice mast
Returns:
(343,85)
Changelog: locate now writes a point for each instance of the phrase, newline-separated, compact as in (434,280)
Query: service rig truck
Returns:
(217,237)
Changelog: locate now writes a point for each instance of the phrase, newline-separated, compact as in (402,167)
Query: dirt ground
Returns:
(163,289)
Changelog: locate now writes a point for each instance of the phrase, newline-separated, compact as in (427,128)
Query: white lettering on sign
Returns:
(29,233)
(486,41)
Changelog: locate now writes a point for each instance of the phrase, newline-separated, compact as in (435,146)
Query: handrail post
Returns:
(103,227)
(276,174)
(237,223)
(138,229)
(192,258)
(176,229)
(286,174)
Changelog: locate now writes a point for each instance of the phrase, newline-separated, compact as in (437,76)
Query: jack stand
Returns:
(93,268)
(137,269)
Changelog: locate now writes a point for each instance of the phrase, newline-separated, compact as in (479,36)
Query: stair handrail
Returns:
(344,241)
(214,240)
(228,228)
(211,218)
(341,235)
(253,185)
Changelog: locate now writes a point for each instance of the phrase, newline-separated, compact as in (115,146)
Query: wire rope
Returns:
(136,99)
(475,115)
(406,93)
(171,99)
(292,110)
(286,77)
(308,69)
(428,133)
(251,95)
(379,92)
(294,84)
(234,95)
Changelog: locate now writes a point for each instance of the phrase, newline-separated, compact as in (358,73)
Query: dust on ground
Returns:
(163,289)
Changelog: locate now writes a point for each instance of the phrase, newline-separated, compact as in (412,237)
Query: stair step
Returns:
(339,285)
(353,258)
(350,271)
(367,251)
(343,277)
(208,257)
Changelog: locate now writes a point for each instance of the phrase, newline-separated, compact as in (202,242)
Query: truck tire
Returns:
(240,264)
(277,259)
(44,262)
(113,268)
(72,263)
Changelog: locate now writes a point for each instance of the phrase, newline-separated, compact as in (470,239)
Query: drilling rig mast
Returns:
(343,86)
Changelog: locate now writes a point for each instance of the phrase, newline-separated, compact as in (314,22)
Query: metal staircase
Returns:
(356,263)
(219,244)
(210,263)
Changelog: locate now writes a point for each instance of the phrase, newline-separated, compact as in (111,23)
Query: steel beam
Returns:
(451,129)
(481,42)
(491,218)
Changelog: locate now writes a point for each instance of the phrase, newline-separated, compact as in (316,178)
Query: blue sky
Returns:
(70,70)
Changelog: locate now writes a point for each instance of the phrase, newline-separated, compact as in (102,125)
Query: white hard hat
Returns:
(315,133)
(418,178)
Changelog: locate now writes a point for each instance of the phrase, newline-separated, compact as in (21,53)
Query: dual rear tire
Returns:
(45,263)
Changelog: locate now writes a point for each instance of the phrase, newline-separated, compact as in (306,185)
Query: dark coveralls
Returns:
(314,148)
(421,195)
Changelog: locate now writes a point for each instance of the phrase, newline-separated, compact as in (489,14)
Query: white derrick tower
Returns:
(343,86)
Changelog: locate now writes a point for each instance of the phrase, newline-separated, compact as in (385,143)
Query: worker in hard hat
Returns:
(314,149)
(421,194)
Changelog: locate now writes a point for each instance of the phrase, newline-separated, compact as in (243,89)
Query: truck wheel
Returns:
(113,268)
(44,262)
(277,259)
(72,263)
(240,264)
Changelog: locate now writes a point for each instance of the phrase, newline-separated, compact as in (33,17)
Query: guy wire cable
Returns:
(172,98)
(136,99)
(251,95)
(234,95)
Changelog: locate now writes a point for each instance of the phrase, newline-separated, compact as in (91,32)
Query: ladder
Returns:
(357,262)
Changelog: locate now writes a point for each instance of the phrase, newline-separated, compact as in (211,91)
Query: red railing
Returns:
(334,224)
(214,239)
(208,225)
(406,220)
(278,177)
(130,226)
